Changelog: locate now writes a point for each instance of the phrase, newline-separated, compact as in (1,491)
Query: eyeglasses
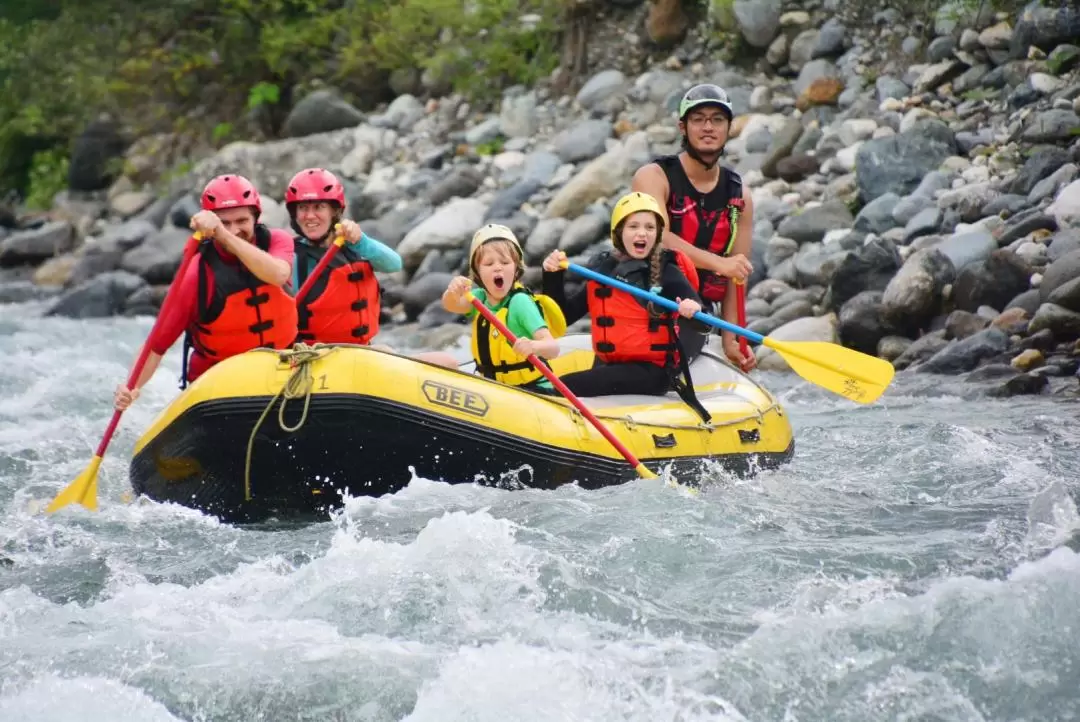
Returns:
(701,120)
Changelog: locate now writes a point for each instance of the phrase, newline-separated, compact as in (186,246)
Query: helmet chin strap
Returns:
(708,163)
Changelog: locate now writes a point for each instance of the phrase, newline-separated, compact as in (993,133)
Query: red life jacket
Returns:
(240,312)
(343,305)
(623,330)
(710,221)
(688,268)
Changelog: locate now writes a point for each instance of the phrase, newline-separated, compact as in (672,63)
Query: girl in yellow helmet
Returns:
(496,264)
(636,345)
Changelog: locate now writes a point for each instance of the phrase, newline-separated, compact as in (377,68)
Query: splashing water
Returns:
(916,561)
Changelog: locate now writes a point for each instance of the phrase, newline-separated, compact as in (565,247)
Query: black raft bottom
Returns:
(363,445)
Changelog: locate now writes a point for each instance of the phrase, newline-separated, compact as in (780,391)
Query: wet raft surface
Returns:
(390,417)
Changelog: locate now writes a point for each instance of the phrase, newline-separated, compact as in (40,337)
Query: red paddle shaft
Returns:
(144,354)
(317,271)
(550,376)
(740,305)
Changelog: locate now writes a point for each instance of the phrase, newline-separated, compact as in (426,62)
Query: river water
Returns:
(916,561)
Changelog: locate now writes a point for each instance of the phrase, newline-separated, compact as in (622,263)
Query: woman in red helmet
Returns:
(343,303)
(229,291)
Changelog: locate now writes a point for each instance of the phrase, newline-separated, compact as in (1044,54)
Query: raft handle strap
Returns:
(298,385)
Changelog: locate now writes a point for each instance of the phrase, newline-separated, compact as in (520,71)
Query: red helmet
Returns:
(230,191)
(315,184)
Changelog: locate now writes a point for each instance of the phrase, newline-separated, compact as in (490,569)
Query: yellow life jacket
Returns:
(495,357)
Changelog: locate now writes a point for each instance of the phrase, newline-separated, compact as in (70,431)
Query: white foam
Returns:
(49,698)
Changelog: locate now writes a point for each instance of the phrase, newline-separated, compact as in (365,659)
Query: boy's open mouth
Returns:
(497,279)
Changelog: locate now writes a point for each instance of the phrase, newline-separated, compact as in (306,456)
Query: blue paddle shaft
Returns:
(665,303)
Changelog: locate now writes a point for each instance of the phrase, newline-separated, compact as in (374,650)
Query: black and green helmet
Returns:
(704,95)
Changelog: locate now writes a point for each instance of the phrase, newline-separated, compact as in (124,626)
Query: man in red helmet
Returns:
(229,295)
(710,214)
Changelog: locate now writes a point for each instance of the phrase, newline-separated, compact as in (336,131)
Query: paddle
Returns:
(844,371)
(83,490)
(483,310)
(335,246)
(740,301)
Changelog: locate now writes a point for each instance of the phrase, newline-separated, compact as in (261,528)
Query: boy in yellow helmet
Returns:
(496,264)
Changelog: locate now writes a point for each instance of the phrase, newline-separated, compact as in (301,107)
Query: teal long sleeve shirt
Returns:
(382,257)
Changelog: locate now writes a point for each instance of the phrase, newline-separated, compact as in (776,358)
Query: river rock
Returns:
(1067,295)
(965,354)
(583,141)
(862,323)
(157,258)
(602,177)
(967,247)
(100,297)
(1061,271)
(1061,322)
(758,20)
(424,291)
(961,324)
(321,111)
(815,328)
(1066,206)
(34,246)
(993,281)
(812,224)
(869,268)
(913,296)
(877,215)
(451,226)
(899,163)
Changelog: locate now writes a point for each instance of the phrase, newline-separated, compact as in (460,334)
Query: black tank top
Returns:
(709,221)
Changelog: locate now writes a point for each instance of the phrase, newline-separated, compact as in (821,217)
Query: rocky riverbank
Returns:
(915,200)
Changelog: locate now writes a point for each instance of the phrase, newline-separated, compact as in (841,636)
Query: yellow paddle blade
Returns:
(644,472)
(81,491)
(844,371)
(674,483)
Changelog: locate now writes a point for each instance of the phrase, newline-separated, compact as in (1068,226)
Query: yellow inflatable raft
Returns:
(282,435)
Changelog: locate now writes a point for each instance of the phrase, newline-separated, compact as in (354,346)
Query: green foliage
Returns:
(722,14)
(204,67)
(261,94)
(979,94)
(222,131)
(48,176)
(1058,61)
(492,147)
(853,204)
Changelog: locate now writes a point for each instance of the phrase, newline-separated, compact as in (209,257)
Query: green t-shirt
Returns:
(523,317)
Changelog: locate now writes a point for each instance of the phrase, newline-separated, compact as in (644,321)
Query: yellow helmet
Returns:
(632,203)
(495,232)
